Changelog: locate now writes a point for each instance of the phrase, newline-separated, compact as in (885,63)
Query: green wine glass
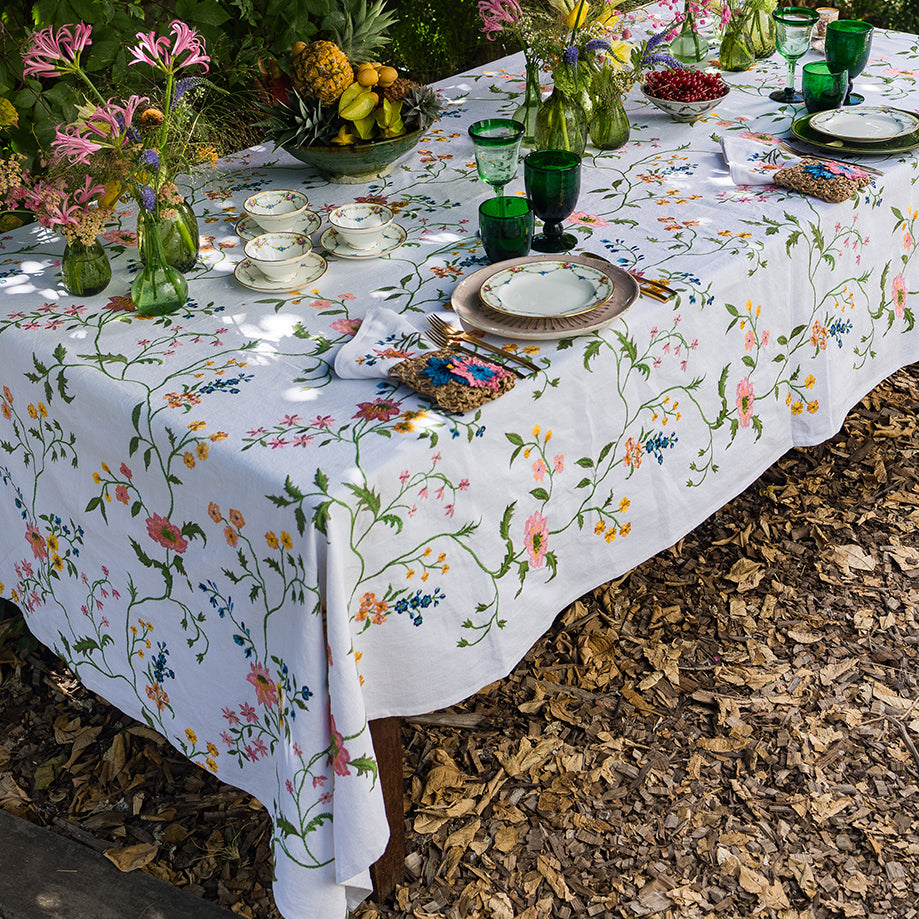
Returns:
(848,44)
(497,149)
(553,183)
(793,27)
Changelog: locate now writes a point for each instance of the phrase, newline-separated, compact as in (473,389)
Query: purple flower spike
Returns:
(597,44)
(150,158)
(571,56)
(147,197)
(183,86)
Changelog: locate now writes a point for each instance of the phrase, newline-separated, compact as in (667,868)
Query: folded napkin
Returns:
(383,340)
(754,162)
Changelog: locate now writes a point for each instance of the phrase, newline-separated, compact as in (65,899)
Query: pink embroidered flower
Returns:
(536,538)
(265,690)
(539,469)
(745,399)
(378,410)
(339,757)
(558,463)
(899,294)
(36,541)
(167,534)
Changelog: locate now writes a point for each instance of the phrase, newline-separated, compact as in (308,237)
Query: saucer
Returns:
(247,228)
(393,237)
(249,276)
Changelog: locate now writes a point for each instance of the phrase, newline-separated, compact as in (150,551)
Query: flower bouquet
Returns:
(135,145)
(341,110)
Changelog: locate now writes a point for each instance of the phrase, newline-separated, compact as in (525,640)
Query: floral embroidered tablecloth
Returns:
(255,557)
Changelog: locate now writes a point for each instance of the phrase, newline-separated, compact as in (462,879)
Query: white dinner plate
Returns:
(865,123)
(393,237)
(247,228)
(554,288)
(313,268)
(474,315)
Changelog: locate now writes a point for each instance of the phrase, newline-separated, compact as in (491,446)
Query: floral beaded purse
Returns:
(828,181)
(456,382)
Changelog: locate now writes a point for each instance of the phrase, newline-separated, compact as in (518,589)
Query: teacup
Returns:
(279,210)
(361,226)
(278,255)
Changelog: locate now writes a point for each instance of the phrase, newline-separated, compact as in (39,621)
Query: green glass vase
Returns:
(85,268)
(561,123)
(690,46)
(761,26)
(737,45)
(178,235)
(159,289)
(609,127)
(529,108)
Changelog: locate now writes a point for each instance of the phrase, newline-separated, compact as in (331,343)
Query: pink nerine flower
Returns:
(68,143)
(157,53)
(496,14)
(52,54)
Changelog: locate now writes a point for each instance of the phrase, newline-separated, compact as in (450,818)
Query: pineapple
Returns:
(321,71)
(421,105)
(358,28)
(300,123)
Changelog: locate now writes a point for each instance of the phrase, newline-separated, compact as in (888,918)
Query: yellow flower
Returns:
(202,451)
(271,539)
(219,435)
(32,411)
(211,765)
(813,406)
(189,459)
(191,736)
(600,527)
(97,478)
(212,749)
(196,425)
(809,381)
(51,542)
(624,504)
(285,540)
(578,15)
(43,411)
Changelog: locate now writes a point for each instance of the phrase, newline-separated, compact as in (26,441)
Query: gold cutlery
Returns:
(824,159)
(452,333)
(445,341)
(656,290)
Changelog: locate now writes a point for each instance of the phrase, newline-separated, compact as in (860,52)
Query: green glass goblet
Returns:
(553,183)
(848,44)
(822,89)
(793,27)
(506,227)
(497,148)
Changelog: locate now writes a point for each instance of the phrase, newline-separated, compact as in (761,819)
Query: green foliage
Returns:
(901,15)
(437,38)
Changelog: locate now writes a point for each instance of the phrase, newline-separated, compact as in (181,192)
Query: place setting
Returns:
(541,296)
(362,231)
(278,248)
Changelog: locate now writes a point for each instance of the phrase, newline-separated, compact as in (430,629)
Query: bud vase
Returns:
(532,99)
(85,268)
(737,45)
(561,123)
(159,289)
(690,46)
(609,126)
(178,234)
(762,26)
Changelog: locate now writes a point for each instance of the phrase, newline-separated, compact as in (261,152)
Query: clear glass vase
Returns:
(561,123)
(178,234)
(159,289)
(85,268)
(532,99)
(690,46)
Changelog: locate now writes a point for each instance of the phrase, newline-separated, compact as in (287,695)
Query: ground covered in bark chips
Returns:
(730,730)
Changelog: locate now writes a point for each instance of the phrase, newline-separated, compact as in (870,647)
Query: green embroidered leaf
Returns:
(540,494)
(86,645)
(365,765)
(321,517)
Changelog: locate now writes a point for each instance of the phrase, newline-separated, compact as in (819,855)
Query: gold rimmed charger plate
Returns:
(474,316)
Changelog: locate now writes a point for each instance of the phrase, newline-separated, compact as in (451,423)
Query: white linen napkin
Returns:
(754,162)
(383,340)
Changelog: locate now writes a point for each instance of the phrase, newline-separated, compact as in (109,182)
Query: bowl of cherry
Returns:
(684,95)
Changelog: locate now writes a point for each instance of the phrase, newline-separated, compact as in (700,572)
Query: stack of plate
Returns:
(544,296)
(860,129)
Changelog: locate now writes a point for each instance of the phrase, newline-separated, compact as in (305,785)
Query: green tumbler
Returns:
(822,88)
(506,227)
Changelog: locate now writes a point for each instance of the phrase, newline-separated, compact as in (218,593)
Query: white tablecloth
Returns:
(255,557)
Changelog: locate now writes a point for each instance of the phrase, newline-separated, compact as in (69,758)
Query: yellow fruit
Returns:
(367,76)
(344,137)
(360,107)
(388,75)
(321,71)
(298,48)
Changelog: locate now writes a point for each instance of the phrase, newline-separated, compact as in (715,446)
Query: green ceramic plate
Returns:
(803,131)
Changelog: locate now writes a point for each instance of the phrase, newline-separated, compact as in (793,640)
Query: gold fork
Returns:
(455,334)
(444,341)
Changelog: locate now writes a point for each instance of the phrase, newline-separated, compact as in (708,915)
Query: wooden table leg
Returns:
(389,869)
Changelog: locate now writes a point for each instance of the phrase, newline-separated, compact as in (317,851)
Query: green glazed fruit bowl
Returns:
(356,163)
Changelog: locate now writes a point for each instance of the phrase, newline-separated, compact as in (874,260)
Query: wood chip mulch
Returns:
(730,730)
